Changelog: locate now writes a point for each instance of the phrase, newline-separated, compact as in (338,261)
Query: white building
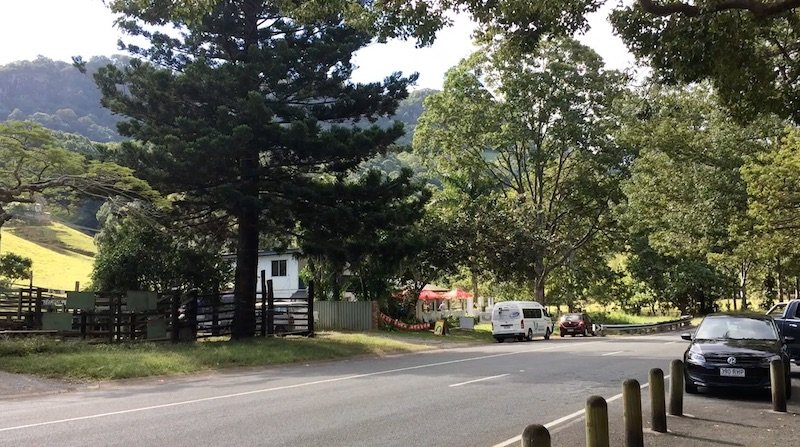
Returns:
(283,268)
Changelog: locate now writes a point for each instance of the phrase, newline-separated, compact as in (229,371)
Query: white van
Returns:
(522,320)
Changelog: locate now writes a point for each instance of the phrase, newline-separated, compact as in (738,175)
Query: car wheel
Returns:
(561,334)
(529,337)
(499,339)
(547,334)
(571,335)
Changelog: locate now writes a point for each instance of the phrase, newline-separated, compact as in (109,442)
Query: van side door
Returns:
(539,326)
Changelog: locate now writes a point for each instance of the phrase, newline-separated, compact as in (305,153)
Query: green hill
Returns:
(60,254)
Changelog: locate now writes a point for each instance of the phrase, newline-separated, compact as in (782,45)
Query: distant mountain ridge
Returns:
(58,96)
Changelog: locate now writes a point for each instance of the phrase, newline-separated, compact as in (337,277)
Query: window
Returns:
(532,313)
(279,268)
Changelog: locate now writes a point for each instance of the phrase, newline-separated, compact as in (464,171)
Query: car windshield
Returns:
(505,313)
(736,328)
(571,317)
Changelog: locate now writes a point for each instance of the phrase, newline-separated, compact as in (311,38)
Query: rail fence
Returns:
(137,315)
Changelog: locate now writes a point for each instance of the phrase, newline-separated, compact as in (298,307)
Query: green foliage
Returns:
(524,139)
(135,253)
(33,166)
(772,183)
(13,268)
(750,58)
(687,206)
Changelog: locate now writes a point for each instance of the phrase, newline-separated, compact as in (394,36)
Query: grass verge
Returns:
(80,361)
(482,333)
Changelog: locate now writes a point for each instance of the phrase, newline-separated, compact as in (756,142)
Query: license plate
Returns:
(731,372)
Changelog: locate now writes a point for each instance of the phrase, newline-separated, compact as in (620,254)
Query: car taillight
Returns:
(522,324)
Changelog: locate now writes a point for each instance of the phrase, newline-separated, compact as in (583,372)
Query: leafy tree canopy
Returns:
(530,133)
(33,165)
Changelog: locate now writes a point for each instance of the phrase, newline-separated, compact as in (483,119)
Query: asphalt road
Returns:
(473,396)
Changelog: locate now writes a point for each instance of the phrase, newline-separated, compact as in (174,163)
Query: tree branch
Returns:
(757,8)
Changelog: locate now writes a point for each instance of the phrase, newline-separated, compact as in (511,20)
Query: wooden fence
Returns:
(135,315)
(346,315)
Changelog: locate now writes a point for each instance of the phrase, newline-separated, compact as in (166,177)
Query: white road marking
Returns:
(568,417)
(670,342)
(611,353)
(280,388)
(477,380)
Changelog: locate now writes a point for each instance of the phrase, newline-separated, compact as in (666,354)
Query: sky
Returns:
(60,29)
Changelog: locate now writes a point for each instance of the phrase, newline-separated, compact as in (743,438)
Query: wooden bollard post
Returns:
(658,419)
(535,435)
(676,388)
(778,384)
(596,422)
(632,413)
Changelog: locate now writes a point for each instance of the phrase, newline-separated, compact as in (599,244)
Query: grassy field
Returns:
(60,254)
(81,361)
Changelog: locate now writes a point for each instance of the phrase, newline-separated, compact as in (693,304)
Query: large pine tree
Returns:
(235,113)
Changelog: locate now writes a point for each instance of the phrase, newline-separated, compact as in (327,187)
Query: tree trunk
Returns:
(244,313)
(780,279)
(539,291)
(539,278)
(474,277)
(743,284)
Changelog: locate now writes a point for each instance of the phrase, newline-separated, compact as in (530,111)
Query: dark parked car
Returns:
(576,323)
(733,351)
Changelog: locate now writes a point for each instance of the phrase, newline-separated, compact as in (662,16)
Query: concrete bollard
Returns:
(535,435)
(596,422)
(676,388)
(632,413)
(658,419)
(778,384)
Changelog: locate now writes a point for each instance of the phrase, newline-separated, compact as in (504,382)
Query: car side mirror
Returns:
(788,339)
(686,336)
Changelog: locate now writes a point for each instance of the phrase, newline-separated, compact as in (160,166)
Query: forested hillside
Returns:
(56,95)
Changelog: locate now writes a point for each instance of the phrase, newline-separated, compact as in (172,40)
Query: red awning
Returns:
(457,294)
(430,295)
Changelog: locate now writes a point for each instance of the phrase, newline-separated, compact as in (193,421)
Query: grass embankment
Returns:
(481,333)
(60,254)
(81,361)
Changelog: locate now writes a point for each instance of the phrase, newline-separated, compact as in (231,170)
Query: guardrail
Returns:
(665,326)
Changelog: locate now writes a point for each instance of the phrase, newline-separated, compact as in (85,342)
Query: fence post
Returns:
(270,309)
(215,303)
(175,304)
(193,304)
(676,388)
(658,419)
(132,323)
(596,422)
(84,321)
(37,313)
(632,413)
(535,435)
(264,309)
(311,308)
(778,385)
